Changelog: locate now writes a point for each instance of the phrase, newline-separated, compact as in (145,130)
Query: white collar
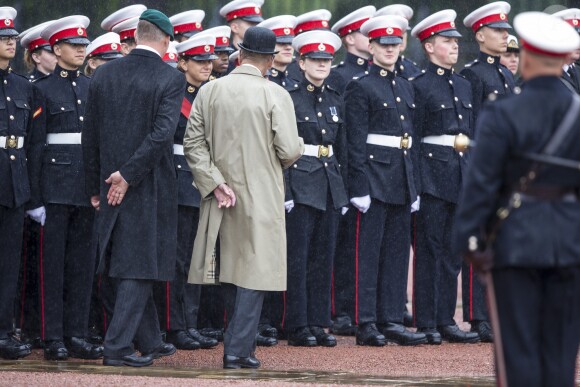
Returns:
(148,48)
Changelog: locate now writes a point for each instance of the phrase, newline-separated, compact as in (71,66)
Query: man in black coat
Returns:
(536,260)
(133,110)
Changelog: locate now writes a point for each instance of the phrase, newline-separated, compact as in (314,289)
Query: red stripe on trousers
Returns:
(42,279)
(356,267)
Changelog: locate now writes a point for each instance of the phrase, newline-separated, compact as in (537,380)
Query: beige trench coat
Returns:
(242,131)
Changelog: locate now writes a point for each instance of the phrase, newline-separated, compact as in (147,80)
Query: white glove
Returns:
(362,203)
(344,210)
(38,215)
(289,205)
(415,206)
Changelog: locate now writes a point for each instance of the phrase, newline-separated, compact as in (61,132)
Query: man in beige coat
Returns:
(241,133)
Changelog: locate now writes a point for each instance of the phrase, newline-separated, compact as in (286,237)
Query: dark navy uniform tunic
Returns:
(35,75)
(317,187)
(406,68)
(67,262)
(334,80)
(381,103)
(352,66)
(444,107)
(20,159)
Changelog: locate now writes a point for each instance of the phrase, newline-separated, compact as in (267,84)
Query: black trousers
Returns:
(212,312)
(11,228)
(311,241)
(28,306)
(243,307)
(177,301)
(473,295)
(382,243)
(67,270)
(343,284)
(273,309)
(134,319)
(436,268)
(539,310)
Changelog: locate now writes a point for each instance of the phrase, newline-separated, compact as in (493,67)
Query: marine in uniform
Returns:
(533,248)
(570,70)
(187,24)
(355,63)
(241,15)
(489,80)
(171,57)
(101,50)
(511,58)
(21,141)
(67,263)
(178,313)
(222,50)
(405,67)
(38,54)
(124,22)
(443,124)
(382,186)
(315,193)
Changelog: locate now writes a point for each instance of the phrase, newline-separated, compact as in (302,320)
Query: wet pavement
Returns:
(217,375)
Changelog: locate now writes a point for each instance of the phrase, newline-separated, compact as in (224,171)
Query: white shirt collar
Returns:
(144,47)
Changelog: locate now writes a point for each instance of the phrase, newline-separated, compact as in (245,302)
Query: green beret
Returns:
(159,19)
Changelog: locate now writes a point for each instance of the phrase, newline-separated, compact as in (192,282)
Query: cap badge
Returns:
(452,24)
(384,73)
(321,47)
(389,31)
(257,10)
(324,23)
(171,55)
(114,46)
(286,31)
(224,40)
(360,61)
(190,89)
(310,88)
(575,22)
(440,71)
(197,25)
(64,74)
(7,22)
(206,48)
(80,31)
(490,60)
(502,16)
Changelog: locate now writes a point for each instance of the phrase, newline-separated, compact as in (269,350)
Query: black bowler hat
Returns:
(259,40)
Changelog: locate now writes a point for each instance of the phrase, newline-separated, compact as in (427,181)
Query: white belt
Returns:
(318,150)
(12,142)
(178,150)
(63,138)
(390,141)
(459,142)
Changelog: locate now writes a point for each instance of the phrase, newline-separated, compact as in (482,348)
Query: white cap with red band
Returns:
(440,23)
(546,34)
(317,44)
(388,29)
(493,15)
(572,16)
(187,22)
(200,47)
(222,38)
(171,53)
(396,9)
(7,16)
(71,29)
(314,20)
(31,40)
(250,11)
(107,45)
(282,26)
(352,22)
(127,28)
(121,15)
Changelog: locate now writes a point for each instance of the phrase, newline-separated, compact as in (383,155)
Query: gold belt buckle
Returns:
(461,143)
(405,141)
(12,142)
(323,151)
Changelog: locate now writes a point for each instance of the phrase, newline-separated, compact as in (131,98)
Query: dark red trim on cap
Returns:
(312,25)
(7,23)
(127,34)
(106,48)
(222,41)
(389,31)
(288,31)
(498,17)
(36,43)
(69,33)
(316,47)
(537,50)
(426,33)
(170,57)
(351,27)
(249,11)
(180,29)
(199,50)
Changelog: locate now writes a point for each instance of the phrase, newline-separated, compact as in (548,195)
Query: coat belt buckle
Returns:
(405,141)
(323,151)
(461,143)
(12,142)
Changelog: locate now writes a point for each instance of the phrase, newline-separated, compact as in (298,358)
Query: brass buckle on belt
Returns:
(461,143)
(405,141)
(12,142)
(323,151)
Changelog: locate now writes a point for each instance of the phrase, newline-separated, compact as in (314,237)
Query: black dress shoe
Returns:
(182,340)
(204,341)
(214,333)
(55,350)
(342,326)
(80,348)
(165,349)
(453,334)
(396,333)
(368,334)
(132,360)
(301,337)
(240,362)
(433,336)
(264,341)
(322,338)
(407,319)
(268,330)
(483,329)
(12,349)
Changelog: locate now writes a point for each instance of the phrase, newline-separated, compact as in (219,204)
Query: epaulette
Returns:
(470,64)
(292,86)
(332,89)
(423,72)
(41,78)
(338,65)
